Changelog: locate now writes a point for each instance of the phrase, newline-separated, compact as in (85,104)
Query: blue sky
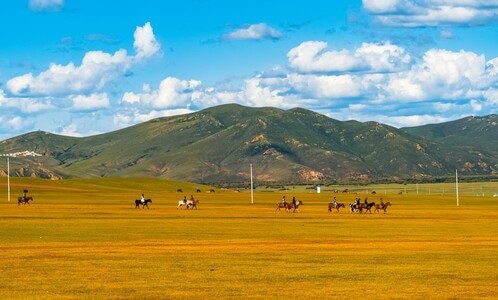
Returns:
(81,68)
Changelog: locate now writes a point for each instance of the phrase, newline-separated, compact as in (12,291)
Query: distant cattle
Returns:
(179,190)
(198,191)
(211,191)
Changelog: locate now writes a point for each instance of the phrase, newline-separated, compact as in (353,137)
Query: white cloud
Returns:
(130,97)
(404,13)
(311,57)
(255,32)
(46,5)
(145,43)
(476,106)
(91,102)
(441,74)
(312,86)
(70,130)
(96,70)
(18,123)
(412,120)
(172,92)
(380,6)
(125,119)
(25,105)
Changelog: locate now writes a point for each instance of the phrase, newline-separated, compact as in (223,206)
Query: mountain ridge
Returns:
(218,144)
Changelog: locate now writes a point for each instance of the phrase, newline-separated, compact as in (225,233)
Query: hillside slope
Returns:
(219,144)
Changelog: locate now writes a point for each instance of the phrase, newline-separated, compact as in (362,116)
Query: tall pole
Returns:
(456,180)
(8,179)
(17,154)
(252,193)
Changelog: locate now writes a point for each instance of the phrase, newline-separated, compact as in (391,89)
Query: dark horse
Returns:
(368,206)
(332,206)
(25,201)
(144,204)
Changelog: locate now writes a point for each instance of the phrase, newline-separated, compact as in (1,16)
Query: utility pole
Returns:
(252,193)
(16,154)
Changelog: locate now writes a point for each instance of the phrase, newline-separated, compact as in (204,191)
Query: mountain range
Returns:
(223,144)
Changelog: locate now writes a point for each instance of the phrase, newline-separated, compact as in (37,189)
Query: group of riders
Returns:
(294,202)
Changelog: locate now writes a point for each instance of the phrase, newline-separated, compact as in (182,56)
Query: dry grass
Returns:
(77,242)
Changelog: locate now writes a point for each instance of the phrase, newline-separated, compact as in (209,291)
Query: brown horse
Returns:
(382,206)
(25,201)
(288,206)
(367,207)
(281,205)
(192,203)
(332,206)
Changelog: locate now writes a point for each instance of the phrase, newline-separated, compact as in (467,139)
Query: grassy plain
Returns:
(83,239)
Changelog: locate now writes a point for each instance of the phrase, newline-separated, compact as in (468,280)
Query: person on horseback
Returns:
(185,199)
(142,199)
(294,202)
(335,202)
(284,202)
(366,201)
(24,195)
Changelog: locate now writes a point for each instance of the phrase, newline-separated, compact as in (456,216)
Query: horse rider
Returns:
(294,202)
(24,195)
(335,202)
(185,199)
(284,202)
(142,199)
(366,201)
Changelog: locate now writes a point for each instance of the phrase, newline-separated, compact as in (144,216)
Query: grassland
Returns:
(83,239)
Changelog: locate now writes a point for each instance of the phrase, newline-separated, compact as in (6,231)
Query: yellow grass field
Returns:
(84,239)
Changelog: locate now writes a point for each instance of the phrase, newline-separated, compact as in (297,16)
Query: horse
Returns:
(193,203)
(382,206)
(144,204)
(281,205)
(360,207)
(353,207)
(296,206)
(339,205)
(368,206)
(288,206)
(181,203)
(25,201)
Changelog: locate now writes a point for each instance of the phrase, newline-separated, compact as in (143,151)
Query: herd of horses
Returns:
(287,206)
(360,207)
(353,207)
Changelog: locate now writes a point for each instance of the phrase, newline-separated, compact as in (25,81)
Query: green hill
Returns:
(219,144)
